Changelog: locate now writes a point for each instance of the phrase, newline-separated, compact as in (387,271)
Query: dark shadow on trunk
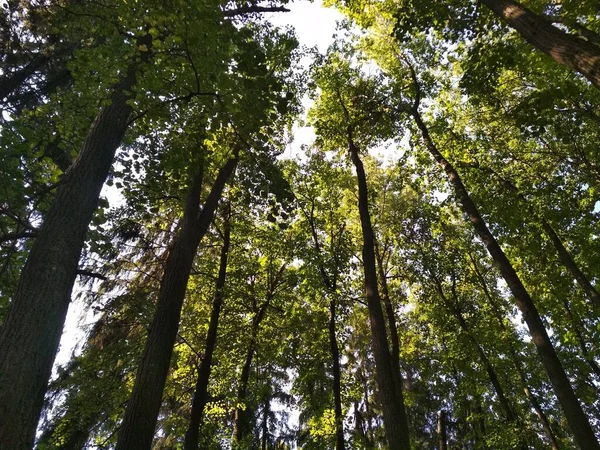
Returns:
(137,429)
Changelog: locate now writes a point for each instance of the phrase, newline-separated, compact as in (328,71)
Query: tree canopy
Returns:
(422,275)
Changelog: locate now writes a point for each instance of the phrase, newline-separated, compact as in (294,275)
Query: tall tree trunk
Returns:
(240,423)
(330,283)
(571,265)
(564,255)
(32,329)
(200,395)
(390,387)
(578,421)
(389,310)
(569,50)
(265,425)
(535,404)
(441,430)
(489,368)
(337,379)
(137,429)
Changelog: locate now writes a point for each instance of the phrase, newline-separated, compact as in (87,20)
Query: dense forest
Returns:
(422,276)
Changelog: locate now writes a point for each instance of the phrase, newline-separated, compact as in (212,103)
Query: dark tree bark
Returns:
(388,379)
(441,430)
(137,429)
(489,368)
(564,255)
(31,332)
(330,283)
(535,404)
(241,415)
(389,310)
(265,425)
(337,378)
(569,50)
(201,393)
(577,419)
(571,265)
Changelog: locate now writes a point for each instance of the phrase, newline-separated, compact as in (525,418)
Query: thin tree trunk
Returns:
(32,329)
(517,362)
(337,379)
(137,429)
(582,344)
(563,254)
(571,265)
(441,430)
(201,393)
(388,379)
(265,425)
(240,425)
(569,50)
(389,310)
(576,418)
(504,404)
(330,284)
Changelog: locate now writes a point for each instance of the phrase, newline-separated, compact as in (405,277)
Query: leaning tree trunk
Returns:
(535,404)
(576,418)
(489,368)
(32,329)
(564,255)
(390,387)
(200,396)
(137,429)
(569,50)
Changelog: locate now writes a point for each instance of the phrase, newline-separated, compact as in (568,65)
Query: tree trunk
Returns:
(535,404)
(337,378)
(201,393)
(453,308)
(578,421)
(571,265)
(265,425)
(32,329)
(240,425)
(563,254)
(569,50)
(389,310)
(137,429)
(441,430)
(390,388)
(330,284)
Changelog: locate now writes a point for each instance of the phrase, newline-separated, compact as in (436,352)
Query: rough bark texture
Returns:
(576,418)
(31,332)
(137,429)
(394,414)
(200,395)
(569,50)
